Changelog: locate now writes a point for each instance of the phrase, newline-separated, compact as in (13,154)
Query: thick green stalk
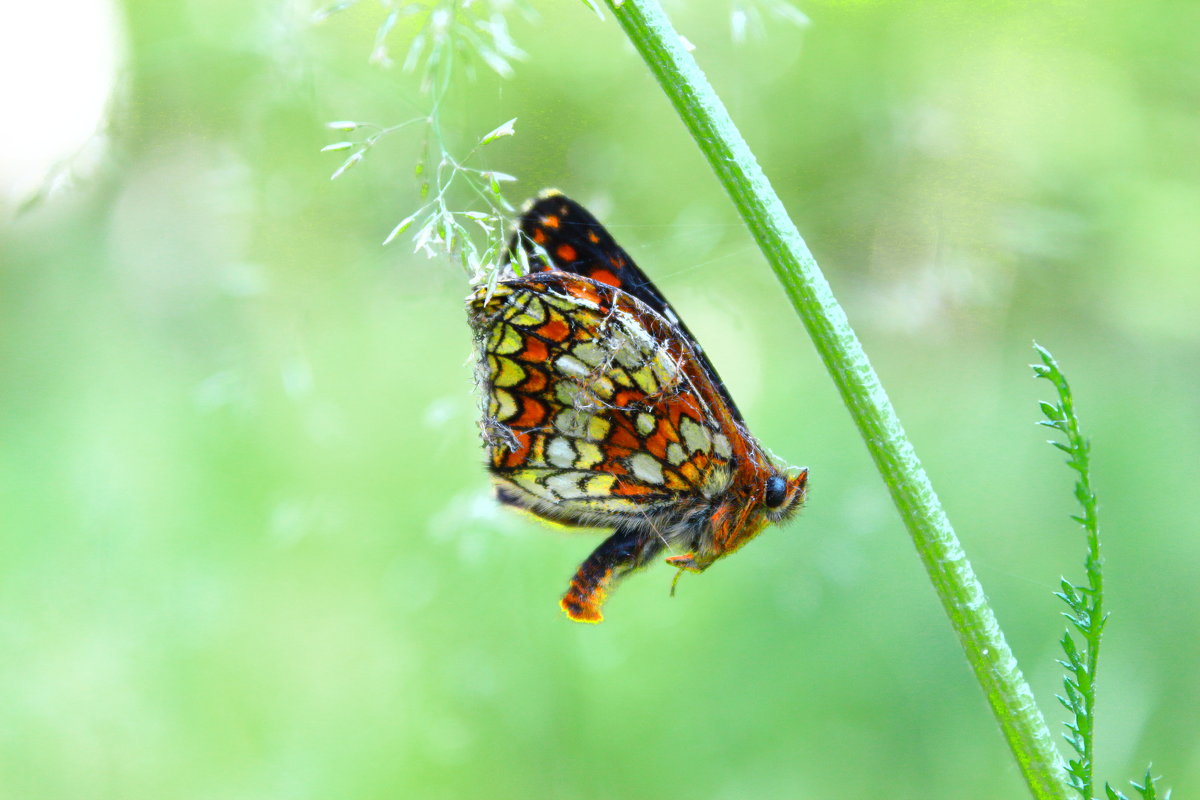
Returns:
(961,594)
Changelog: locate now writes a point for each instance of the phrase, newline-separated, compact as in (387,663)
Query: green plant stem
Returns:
(1093,564)
(961,594)
(1086,602)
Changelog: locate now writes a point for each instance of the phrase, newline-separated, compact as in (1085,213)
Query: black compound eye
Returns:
(776,492)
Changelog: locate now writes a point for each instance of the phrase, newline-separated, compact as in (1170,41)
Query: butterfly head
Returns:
(783,493)
(773,498)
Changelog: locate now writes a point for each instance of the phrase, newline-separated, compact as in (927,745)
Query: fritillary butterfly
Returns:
(600,410)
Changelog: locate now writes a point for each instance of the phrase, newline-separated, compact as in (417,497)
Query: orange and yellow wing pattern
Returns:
(595,411)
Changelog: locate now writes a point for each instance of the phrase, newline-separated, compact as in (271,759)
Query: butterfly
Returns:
(600,410)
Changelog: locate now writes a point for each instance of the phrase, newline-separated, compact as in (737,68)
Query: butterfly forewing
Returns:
(558,234)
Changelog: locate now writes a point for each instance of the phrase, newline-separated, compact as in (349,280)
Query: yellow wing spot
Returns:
(600,485)
(590,353)
(534,313)
(665,367)
(574,307)
(598,428)
(505,371)
(695,437)
(505,405)
(505,340)
(589,455)
(622,378)
(646,423)
(527,480)
(481,304)
(602,387)
(645,380)
(675,454)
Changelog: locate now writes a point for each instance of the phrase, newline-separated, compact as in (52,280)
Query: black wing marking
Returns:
(558,234)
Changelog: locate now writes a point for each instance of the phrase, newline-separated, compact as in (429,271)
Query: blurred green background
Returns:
(248,549)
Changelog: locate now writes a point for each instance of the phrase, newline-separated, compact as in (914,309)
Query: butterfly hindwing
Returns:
(595,411)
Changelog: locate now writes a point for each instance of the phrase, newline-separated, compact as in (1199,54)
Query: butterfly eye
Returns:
(776,492)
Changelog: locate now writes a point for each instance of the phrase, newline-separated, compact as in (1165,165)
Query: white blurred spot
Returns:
(441,411)
(59,62)
(241,279)
(472,520)
(223,389)
(465,510)
(180,218)
(297,377)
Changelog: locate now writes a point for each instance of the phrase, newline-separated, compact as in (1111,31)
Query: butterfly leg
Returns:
(619,554)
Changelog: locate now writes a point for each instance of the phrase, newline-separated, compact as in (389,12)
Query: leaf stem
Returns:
(953,579)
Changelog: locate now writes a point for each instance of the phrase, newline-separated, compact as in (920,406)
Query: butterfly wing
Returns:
(559,235)
(596,412)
